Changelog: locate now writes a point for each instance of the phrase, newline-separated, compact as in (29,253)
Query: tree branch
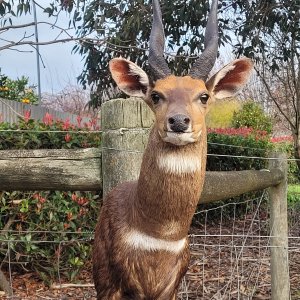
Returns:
(273,98)
(32,43)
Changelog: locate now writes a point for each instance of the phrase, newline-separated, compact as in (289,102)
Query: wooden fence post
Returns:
(125,126)
(280,281)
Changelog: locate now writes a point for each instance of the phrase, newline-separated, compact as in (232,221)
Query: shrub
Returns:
(252,115)
(293,196)
(221,113)
(50,232)
(243,142)
(240,147)
(31,134)
(17,90)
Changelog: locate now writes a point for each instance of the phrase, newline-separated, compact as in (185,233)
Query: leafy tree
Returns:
(129,33)
(17,90)
(270,35)
(267,31)
(107,29)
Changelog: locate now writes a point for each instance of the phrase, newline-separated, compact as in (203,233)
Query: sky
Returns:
(59,67)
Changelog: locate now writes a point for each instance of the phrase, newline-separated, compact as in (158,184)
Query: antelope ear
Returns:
(130,78)
(230,79)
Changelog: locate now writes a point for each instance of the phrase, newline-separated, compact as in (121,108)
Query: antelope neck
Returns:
(169,187)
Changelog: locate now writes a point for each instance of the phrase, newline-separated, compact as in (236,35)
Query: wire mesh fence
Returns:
(230,257)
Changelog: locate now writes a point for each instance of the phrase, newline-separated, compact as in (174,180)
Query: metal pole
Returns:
(37,53)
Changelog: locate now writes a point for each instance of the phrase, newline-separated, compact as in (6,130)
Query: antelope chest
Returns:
(152,267)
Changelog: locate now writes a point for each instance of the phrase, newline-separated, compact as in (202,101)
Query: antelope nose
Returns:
(179,123)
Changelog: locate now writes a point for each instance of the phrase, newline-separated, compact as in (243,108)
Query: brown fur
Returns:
(160,204)
(147,205)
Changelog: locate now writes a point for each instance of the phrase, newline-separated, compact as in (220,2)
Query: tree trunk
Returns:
(297,149)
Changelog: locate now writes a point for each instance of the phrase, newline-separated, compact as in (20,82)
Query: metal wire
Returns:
(208,245)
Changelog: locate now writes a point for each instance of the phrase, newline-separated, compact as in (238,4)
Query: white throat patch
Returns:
(139,240)
(179,164)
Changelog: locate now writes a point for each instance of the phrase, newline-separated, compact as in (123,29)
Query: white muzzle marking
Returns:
(179,139)
(139,240)
(178,163)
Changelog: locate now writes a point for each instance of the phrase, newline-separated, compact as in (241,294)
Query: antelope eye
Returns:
(155,98)
(204,98)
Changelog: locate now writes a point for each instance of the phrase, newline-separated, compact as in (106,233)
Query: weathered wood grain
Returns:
(280,279)
(224,185)
(74,169)
(125,124)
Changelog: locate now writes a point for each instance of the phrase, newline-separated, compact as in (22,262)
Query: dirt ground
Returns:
(231,261)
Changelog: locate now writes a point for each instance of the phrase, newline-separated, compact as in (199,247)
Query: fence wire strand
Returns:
(230,256)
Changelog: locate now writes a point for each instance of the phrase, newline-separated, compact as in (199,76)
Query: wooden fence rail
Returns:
(125,128)
(80,170)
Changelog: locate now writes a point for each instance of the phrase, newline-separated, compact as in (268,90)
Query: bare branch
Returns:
(32,43)
(264,81)
(17,26)
(65,30)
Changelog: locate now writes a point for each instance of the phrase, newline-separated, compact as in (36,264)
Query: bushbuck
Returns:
(141,248)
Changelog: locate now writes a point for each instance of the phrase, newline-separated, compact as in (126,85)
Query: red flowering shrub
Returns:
(51,231)
(242,131)
(234,149)
(48,134)
(282,139)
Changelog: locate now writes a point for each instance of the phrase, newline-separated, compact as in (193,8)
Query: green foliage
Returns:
(130,37)
(114,28)
(17,90)
(252,115)
(123,28)
(50,232)
(243,142)
(31,134)
(221,113)
(260,20)
(293,195)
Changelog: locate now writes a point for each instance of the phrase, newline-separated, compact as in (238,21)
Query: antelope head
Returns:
(180,104)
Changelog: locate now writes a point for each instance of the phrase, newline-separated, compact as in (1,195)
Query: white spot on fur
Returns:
(179,164)
(139,240)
